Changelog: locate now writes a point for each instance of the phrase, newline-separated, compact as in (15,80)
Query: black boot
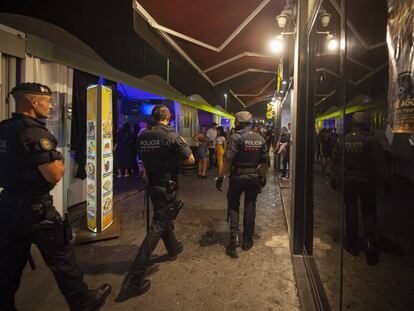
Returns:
(231,248)
(92,300)
(173,255)
(371,252)
(131,287)
(247,243)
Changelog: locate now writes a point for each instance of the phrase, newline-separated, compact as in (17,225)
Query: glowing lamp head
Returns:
(277,45)
(332,43)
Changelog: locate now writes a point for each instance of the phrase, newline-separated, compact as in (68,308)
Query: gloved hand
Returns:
(219,182)
(263,181)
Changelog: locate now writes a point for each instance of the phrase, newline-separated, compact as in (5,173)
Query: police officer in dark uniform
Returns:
(246,158)
(30,166)
(364,161)
(161,150)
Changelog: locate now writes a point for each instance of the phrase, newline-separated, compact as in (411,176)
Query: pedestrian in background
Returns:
(283,150)
(327,145)
(202,152)
(211,135)
(124,153)
(220,147)
(141,170)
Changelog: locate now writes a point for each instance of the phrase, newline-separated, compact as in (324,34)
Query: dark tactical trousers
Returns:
(17,233)
(162,227)
(250,185)
(365,190)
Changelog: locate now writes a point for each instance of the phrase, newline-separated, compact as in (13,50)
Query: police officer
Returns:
(363,159)
(161,150)
(246,158)
(30,166)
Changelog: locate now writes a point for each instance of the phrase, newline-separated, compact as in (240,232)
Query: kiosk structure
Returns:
(99,165)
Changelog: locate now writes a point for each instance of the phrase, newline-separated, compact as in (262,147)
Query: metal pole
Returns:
(168,70)
(299,118)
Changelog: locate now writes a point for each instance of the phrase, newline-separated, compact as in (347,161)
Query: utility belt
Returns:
(164,180)
(39,215)
(237,171)
(19,196)
(171,186)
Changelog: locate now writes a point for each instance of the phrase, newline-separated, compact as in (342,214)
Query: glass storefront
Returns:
(352,179)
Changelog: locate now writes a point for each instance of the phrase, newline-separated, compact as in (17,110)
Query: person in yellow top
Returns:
(220,147)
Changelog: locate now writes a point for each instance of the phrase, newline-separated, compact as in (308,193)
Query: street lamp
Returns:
(282,19)
(225,101)
(325,17)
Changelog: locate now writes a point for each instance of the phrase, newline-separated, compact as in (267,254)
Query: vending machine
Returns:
(99,165)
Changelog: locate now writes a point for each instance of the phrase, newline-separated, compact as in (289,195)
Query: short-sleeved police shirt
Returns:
(247,147)
(26,144)
(161,149)
(364,155)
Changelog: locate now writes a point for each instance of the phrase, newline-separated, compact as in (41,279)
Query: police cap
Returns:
(243,116)
(32,88)
(360,118)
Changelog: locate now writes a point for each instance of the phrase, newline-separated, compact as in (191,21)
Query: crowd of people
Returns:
(127,161)
(210,144)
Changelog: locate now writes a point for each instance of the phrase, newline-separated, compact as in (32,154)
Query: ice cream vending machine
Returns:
(99,163)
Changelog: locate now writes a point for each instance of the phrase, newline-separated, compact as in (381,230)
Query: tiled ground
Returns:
(203,277)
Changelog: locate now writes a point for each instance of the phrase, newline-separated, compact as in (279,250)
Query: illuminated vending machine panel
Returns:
(99,165)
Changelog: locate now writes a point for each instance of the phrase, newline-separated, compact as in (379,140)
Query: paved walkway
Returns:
(203,277)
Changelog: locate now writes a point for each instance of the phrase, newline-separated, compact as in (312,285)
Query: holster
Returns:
(49,225)
(176,208)
(171,186)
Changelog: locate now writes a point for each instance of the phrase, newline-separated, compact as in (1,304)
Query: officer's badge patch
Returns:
(46,144)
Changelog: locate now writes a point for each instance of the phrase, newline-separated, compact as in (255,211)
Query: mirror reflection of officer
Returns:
(30,166)
(363,159)
(160,149)
(246,158)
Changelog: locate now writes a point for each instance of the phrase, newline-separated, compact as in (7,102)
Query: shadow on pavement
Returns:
(212,237)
